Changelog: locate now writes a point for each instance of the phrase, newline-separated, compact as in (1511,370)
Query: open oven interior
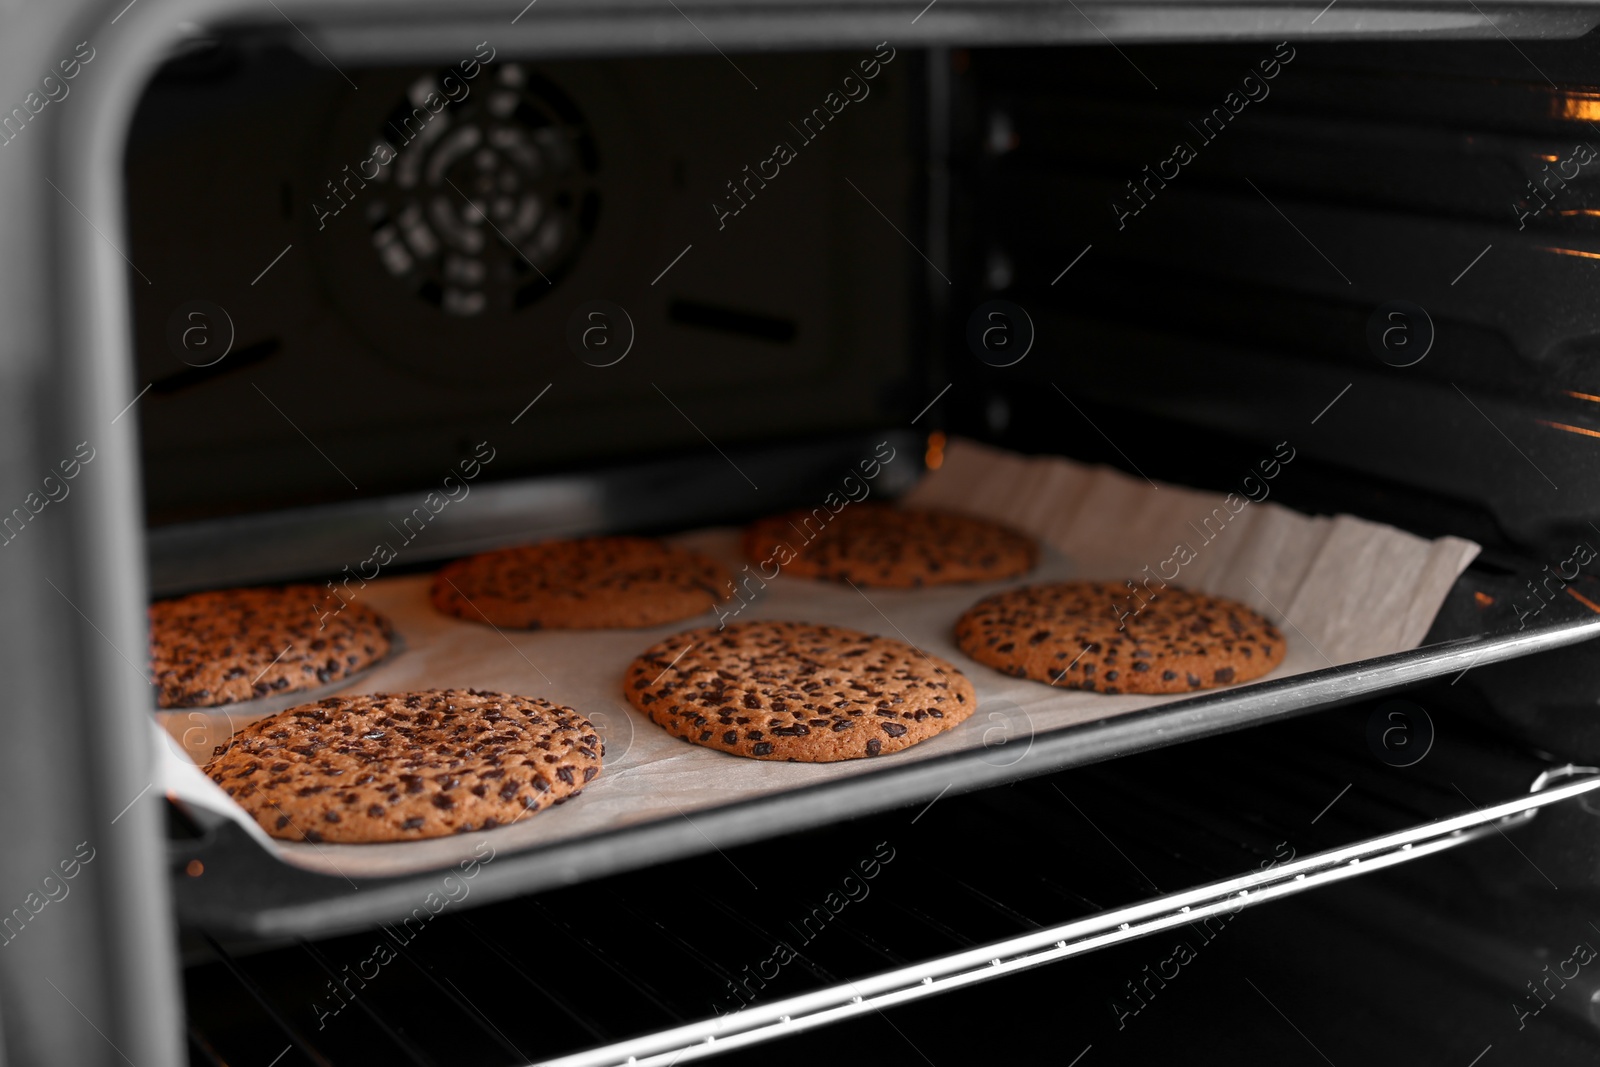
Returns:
(1180,311)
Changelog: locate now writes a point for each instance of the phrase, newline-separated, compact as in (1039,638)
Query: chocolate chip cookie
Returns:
(586,584)
(231,645)
(1111,637)
(881,545)
(405,766)
(797,691)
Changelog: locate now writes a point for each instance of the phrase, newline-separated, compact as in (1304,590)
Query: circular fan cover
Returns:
(484,208)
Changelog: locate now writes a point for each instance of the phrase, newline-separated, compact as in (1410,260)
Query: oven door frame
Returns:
(72,626)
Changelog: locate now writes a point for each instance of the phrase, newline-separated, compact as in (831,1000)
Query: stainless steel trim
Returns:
(765,1022)
(580,27)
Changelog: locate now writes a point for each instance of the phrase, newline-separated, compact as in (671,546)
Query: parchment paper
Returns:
(1341,589)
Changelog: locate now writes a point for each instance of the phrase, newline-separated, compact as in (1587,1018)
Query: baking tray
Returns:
(1343,589)
(244,891)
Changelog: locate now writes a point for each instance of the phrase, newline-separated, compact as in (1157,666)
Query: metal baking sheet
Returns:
(649,775)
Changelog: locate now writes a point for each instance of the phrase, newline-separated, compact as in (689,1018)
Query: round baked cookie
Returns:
(797,691)
(591,583)
(230,645)
(1106,637)
(405,766)
(881,545)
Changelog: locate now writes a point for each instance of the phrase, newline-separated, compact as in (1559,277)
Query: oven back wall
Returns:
(560,225)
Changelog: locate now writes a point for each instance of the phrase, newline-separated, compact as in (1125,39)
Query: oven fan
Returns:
(483,210)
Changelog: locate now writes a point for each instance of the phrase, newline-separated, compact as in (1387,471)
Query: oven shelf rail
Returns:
(763,1022)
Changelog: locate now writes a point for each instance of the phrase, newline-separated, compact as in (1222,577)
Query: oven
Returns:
(709,259)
